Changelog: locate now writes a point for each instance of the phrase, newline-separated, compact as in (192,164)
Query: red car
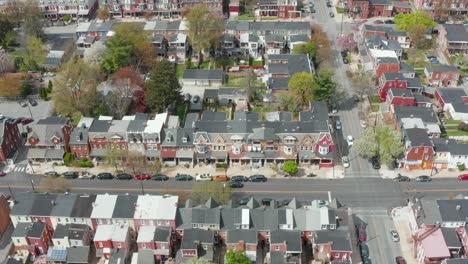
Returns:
(463,177)
(26,121)
(142,177)
(400,260)
(2,174)
(361,232)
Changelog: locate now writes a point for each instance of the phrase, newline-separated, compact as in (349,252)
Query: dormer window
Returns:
(323,150)
(184,140)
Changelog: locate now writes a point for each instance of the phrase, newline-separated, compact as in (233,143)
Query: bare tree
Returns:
(362,83)
(54,185)
(120,98)
(7,64)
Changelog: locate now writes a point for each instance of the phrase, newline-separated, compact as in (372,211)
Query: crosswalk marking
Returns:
(19,169)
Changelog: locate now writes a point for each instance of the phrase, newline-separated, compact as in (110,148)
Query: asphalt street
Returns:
(347,109)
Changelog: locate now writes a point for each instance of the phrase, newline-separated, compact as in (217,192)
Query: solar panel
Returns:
(57,255)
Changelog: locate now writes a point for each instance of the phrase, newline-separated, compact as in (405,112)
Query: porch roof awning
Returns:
(153,153)
(255,155)
(99,152)
(306,155)
(184,154)
(36,153)
(203,155)
(219,154)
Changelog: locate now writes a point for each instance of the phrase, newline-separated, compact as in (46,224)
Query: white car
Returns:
(395,236)
(204,177)
(363,123)
(338,124)
(350,140)
(86,175)
(345,161)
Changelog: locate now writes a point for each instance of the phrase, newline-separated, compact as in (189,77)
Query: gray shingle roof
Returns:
(43,204)
(23,205)
(192,235)
(426,114)
(194,74)
(418,137)
(456,33)
(162,234)
(451,237)
(457,261)
(449,211)
(441,68)
(64,205)
(452,95)
(79,135)
(83,206)
(61,231)
(236,235)
(78,255)
(299,38)
(292,238)
(100,126)
(125,206)
(339,238)
(175,137)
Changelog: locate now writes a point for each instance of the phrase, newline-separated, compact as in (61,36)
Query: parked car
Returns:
(364,250)
(195,99)
(86,175)
(220,178)
(2,173)
(70,175)
(123,176)
(345,161)
(345,60)
(400,260)
(312,10)
(331,14)
(32,102)
(142,177)
(18,120)
(329,4)
(239,178)
(366,260)
(338,124)
(401,178)
(51,174)
(375,163)
(378,22)
(361,232)
(203,177)
(22,103)
(389,21)
(356,98)
(463,177)
(234,184)
(334,108)
(350,140)
(395,236)
(26,121)
(423,178)
(160,177)
(183,177)
(105,176)
(257,178)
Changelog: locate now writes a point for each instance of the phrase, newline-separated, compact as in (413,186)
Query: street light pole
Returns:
(30,113)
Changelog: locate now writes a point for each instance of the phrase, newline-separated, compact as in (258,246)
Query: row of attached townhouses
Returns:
(148,228)
(245,139)
(438,228)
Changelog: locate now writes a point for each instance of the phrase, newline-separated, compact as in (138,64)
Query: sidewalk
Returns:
(388,173)
(268,171)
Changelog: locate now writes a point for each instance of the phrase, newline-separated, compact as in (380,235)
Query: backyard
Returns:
(451,128)
(417,58)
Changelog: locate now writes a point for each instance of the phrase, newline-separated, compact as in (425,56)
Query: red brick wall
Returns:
(11,141)
(4,214)
(383,68)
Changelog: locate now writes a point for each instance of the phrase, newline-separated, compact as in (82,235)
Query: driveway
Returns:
(11,108)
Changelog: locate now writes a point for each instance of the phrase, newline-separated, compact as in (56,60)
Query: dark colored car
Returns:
(364,250)
(378,22)
(18,120)
(26,121)
(239,178)
(356,99)
(70,175)
(423,178)
(257,178)
(142,177)
(160,177)
(401,178)
(51,174)
(389,21)
(123,176)
(331,14)
(32,102)
(235,184)
(345,60)
(366,260)
(183,177)
(105,176)
(329,4)
(400,260)
(375,163)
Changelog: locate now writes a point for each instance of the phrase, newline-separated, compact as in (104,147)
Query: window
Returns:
(276,247)
(100,244)
(19,218)
(58,242)
(18,241)
(59,220)
(194,225)
(74,220)
(119,245)
(337,255)
(143,245)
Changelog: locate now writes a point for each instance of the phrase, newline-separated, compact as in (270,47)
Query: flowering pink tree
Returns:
(346,42)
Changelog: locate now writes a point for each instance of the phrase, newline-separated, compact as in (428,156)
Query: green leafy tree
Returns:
(237,257)
(306,48)
(34,56)
(288,103)
(43,93)
(290,167)
(50,86)
(204,28)
(324,87)
(301,87)
(382,141)
(163,87)
(129,46)
(6,26)
(416,25)
(202,191)
(26,89)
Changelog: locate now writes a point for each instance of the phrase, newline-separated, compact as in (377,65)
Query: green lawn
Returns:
(375,100)
(182,110)
(452,122)
(257,63)
(246,17)
(375,107)
(417,58)
(340,10)
(180,70)
(455,133)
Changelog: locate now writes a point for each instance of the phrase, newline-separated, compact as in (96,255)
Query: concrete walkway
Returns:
(388,173)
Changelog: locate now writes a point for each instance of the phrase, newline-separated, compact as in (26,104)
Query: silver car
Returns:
(395,236)
(338,124)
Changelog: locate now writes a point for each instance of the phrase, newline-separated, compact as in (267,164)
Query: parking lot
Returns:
(12,109)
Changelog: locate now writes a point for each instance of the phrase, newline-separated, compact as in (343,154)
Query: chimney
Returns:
(458,207)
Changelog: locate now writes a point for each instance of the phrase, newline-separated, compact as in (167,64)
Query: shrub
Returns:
(85,163)
(290,167)
(461,167)
(68,158)
(26,89)
(66,18)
